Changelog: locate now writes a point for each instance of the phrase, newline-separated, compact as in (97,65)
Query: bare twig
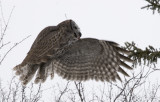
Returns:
(37,96)
(1,7)
(10,89)
(6,25)
(153,5)
(80,90)
(12,48)
(4,45)
(15,91)
(154,94)
(63,92)
(23,97)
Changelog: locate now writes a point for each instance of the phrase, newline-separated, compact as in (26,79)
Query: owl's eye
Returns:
(80,34)
(75,27)
(75,35)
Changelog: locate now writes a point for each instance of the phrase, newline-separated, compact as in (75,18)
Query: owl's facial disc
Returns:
(76,30)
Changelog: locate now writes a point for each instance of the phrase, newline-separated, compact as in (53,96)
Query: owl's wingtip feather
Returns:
(122,50)
(125,58)
(125,65)
(122,71)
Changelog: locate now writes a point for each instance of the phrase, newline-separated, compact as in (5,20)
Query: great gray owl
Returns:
(59,49)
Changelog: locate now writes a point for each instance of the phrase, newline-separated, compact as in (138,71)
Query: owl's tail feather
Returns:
(26,72)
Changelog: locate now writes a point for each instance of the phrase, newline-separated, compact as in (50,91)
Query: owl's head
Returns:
(70,29)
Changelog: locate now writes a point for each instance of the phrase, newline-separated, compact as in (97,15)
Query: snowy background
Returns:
(116,20)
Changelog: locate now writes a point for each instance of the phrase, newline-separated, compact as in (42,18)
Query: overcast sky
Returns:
(115,20)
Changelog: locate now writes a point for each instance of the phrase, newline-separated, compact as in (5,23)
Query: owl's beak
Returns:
(78,37)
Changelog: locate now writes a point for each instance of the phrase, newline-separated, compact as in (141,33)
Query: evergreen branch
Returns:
(153,5)
(147,57)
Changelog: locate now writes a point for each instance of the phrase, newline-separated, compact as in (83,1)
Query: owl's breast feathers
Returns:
(45,46)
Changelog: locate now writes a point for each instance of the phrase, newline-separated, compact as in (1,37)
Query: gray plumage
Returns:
(91,59)
(59,50)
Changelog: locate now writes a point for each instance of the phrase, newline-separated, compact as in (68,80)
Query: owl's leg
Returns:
(44,71)
(40,77)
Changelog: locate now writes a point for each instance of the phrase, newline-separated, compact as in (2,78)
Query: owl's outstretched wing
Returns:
(92,59)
